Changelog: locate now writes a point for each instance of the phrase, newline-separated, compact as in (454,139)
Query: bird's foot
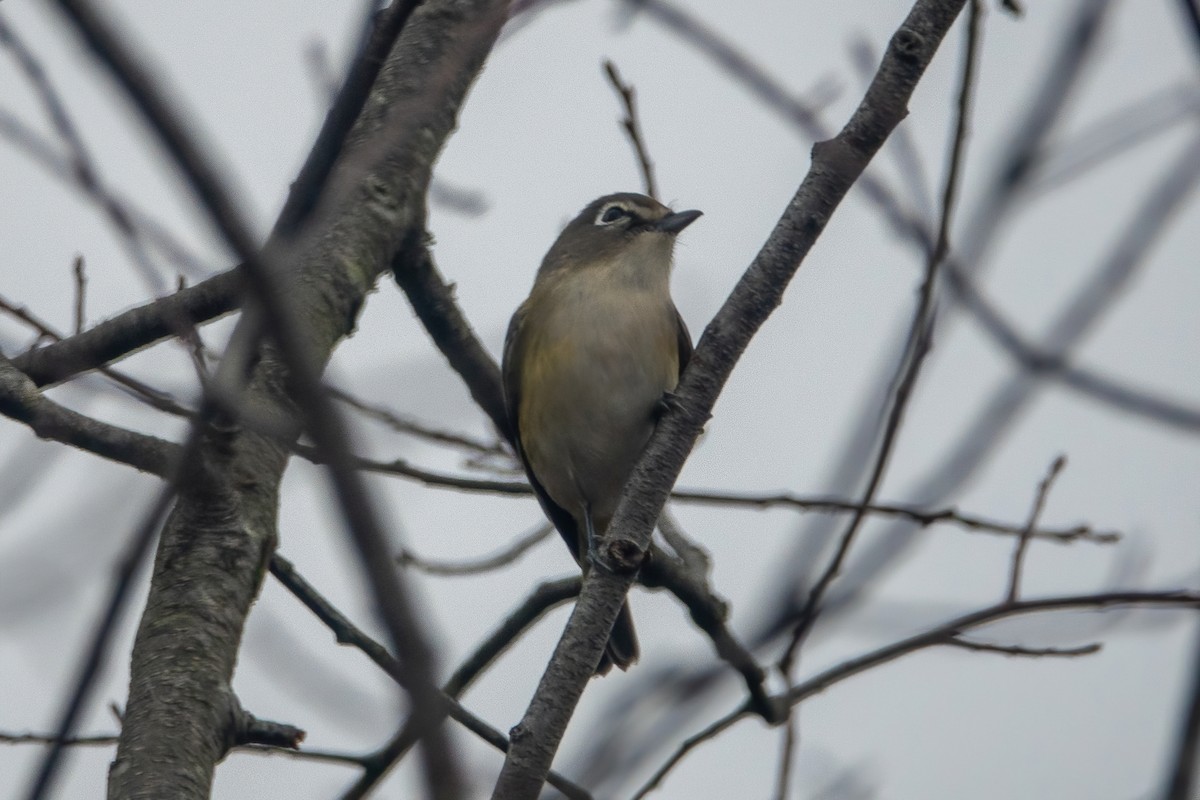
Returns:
(669,401)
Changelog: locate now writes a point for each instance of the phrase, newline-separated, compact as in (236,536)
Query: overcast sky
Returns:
(538,139)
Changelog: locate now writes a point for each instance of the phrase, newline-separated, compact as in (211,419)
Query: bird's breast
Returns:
(594,371)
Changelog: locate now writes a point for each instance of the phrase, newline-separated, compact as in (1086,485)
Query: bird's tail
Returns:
(622,648)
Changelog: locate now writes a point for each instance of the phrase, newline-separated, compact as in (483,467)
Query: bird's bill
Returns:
(674,223)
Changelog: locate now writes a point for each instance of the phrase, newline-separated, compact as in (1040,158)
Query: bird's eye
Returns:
(611,214)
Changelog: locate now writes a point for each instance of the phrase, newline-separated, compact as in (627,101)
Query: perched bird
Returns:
(590,358)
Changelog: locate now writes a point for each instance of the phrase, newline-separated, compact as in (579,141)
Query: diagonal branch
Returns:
(837,163)
(349,634)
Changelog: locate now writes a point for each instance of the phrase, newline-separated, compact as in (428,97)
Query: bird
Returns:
(591,359)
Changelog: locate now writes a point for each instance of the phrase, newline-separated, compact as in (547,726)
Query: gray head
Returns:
(614,227)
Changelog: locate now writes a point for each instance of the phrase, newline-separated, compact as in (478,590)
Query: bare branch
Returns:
(546,597)
(710,612)
(402,424)
(910,513)
(1182,781)
(931,638)
(80,294)
(508,555)
(692,742)
(1018,559)
(433,301)
(249,729)
(82,167)
(306,190)
(155,398)
(380,184)
(349,634)
(1024,652)
(21,400)
(633,128)
(132,330)
(110,739)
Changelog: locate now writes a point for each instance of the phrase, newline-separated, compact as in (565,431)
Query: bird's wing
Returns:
(511,381)
(684,341)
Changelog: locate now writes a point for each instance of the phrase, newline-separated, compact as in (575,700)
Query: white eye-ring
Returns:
(611,213)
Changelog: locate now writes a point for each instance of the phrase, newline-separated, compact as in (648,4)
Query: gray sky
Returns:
(538,139)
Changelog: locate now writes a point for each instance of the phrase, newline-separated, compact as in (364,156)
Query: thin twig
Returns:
(787,757)
(686,746)
(80,294)
(503,558)
(129,331)
(404,469)
(922,517)
(155,398)
(1018,558)
(1025,652)
(831,505)
(633,127)
(83,167)
(402,424)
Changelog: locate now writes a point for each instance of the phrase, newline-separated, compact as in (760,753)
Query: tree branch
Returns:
(348,633)
(371,201)
(938,635)
(836,165)
(21,400)
(132,330)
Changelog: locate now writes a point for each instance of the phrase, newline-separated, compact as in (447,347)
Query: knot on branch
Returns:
(381,199)
(908,45)
(623,556)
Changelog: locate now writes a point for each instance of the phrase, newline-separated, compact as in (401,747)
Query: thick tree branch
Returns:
(374,194)
(837,163)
